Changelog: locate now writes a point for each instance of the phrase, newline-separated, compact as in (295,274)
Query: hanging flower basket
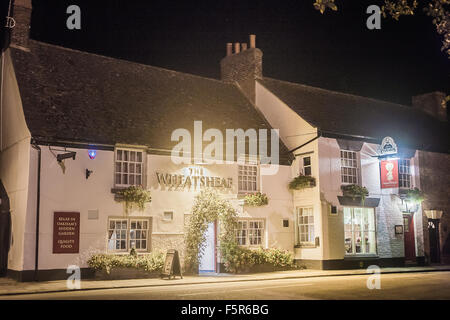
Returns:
(355,191)
(256,199)
(133,196)
(414,196)
(302,182)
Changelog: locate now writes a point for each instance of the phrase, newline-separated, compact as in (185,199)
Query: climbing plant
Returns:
(208,207)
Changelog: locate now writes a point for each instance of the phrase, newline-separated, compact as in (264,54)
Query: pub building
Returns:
(77,127)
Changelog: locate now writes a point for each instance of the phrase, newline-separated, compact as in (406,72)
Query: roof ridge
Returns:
(340,93)
(127,61)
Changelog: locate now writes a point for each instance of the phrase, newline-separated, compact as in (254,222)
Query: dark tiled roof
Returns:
(339,114)
(82,97)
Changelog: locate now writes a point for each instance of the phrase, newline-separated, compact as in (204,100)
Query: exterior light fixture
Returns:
(92,154)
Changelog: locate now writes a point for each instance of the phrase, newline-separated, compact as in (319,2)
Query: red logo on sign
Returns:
(389,173)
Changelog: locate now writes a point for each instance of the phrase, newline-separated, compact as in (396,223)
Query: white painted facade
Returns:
(73,192)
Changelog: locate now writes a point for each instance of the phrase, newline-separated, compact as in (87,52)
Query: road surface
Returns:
(425,285)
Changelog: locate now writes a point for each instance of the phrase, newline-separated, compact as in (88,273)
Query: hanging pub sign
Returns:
(66,232)
(172,266)
(388,146)
(389,173)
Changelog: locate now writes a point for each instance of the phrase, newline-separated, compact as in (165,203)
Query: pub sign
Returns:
(66,232)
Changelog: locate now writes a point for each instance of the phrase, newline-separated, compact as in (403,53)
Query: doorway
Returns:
(410,242)
(5,230)
(433,230)
(208,259)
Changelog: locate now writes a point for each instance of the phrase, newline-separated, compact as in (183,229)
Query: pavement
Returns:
(9,287)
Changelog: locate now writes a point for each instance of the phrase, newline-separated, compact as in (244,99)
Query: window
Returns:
(129,167)
(168,215)
(359,228)
(250,232)
(404,173)
(124,234)
(247,179)
(306,166)
(305,225)
(349,167)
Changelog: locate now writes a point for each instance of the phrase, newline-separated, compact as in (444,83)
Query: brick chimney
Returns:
(22,17)
(242,66)
(431,103)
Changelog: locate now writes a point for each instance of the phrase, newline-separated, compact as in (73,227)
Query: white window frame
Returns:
(248,178)
(246,232)
(363,233)
(404,174)
(129,163)
(309,235)
(128,232)
(303,167)
(347,165)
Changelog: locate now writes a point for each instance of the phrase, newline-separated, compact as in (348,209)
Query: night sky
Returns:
(334,51)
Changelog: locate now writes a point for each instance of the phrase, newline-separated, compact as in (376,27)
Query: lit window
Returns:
(124,234)
(306,166)
(129,167)
(248,178)
(250,232)
(349,167)
(359,229)
(305,225)
(404,173)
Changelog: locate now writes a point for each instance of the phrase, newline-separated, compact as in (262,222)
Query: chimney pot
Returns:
(244,46)
(229,49)
(252,41)
(237,47)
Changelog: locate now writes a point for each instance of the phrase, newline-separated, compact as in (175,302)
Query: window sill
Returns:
(124,253)
(305,246)
(242,194)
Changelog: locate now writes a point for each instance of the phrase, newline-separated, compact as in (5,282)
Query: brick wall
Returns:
(22,16)
(435,183)
(243,68)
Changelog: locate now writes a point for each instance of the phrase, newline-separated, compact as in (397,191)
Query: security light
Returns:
(61,157)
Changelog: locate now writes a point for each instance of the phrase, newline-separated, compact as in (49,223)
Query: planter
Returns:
(302,182)
(126,273)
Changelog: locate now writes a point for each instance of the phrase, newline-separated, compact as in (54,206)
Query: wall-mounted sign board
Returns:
(66,232)
(389,173)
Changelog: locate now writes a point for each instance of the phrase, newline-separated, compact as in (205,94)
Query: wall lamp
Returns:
(61,157)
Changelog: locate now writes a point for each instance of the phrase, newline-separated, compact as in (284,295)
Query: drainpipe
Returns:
(38,200)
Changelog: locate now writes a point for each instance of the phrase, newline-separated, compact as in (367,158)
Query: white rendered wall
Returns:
(14,160)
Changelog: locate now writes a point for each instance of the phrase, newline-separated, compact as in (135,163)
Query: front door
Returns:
(208,259)
(410,245)
(433,230)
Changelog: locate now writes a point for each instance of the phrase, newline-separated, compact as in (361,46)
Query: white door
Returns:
(207,261)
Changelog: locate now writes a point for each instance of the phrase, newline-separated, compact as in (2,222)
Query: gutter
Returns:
(319,134)
(38,200)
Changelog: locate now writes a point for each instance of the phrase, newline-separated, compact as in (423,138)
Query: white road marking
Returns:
(262,288)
